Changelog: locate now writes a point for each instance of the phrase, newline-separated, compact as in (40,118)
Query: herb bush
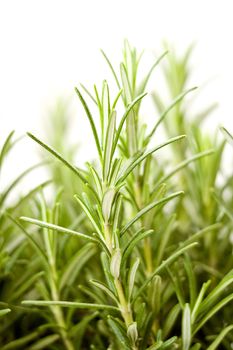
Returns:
(134,251)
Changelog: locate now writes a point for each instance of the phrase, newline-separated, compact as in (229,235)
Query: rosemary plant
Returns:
(134,260)
(16,282)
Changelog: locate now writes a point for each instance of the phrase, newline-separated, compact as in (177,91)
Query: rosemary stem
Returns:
(57,311)
(124,306)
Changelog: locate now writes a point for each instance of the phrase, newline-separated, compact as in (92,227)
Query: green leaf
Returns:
(27,196)
(115,263)
(220,337)
(58,156)
(212,312)
(44,342)
(197,235)
(57,228)
(75,265)
(217,291)
(227,135)
(199,299)
(164,240)
(18,179)
(96,179)
(30,238)
(6,146)
(131,130)
(143,85)
(112,69)
(26,285)
(89,215)
(191,280)
(106,269)
(70,304)
(138,236)
(168,343)
(114,171)
(4,312)
(156,346)
(91,293)
(105,112)
(167,110)
(177,286)
(105,289)
(183,164)
(171,320)
(186,328)
(148,208)
(141,314)
(107,161)
(119,333)
(142,157)
(107,203)
(126,85)
(89,94)
(131,277)
(116,99)
(223,205)
(77,332)
(47,234)
(132,333)
(155,295)
(163,345)
(197,346)
(92,123)
(19,343)
(121,124)
(116,216)
(165,263)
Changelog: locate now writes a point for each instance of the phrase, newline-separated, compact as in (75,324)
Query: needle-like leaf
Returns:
(148,208)
(58,156)
(56,228)
(70,304)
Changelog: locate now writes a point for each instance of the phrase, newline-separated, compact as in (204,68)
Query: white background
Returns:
(48,47)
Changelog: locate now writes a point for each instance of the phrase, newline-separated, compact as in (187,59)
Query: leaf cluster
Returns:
(134,250)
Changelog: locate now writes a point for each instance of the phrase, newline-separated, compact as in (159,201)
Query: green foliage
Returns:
(127,253)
